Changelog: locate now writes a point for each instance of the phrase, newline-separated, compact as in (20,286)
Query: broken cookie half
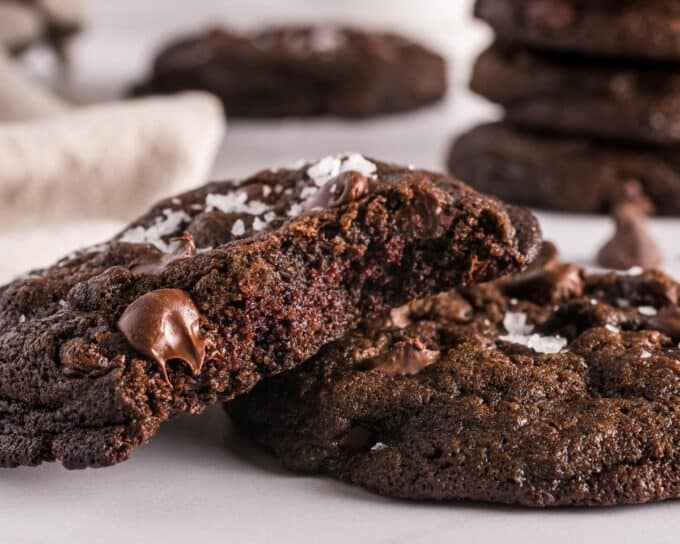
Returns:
(217,288)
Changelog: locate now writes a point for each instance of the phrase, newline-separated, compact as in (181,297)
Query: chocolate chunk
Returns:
(165,325)
(157,261)
(430,210)
(631,245)
(552,285)
(405,358)
(548,257)
(449,305)
(343,189)
(667,320)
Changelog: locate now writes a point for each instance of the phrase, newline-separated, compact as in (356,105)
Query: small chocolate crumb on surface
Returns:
(631,244)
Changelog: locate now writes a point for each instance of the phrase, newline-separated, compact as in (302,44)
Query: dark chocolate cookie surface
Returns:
(216,288)
(639,29)
(635,102)
(303,71)
(551,388)
(562,173)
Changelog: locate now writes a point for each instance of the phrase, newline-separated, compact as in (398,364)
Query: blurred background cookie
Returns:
(296,71)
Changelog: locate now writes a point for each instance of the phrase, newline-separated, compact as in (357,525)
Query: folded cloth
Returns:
(25,23)
(108,161)
(21,98)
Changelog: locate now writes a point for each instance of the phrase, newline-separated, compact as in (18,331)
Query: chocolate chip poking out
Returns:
(165,325)
(258,285)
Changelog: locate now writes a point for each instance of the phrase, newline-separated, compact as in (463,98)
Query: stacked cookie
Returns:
(591,95)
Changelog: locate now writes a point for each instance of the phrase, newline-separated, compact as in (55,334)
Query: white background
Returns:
(197,481)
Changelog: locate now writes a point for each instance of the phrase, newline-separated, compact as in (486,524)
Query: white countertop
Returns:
(197,481)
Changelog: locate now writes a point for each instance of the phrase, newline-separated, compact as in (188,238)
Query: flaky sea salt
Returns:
(520,332)
(516,323)
(648,311)
(379,446)
(330,167)
(294,210)
(259,224)
(326,39)
(164,225)
(612,328)
(238,228)
(235,202)
(645,355)
(634,271)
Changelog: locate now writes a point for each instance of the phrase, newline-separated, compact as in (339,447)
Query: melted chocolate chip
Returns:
(552,285)
(157,261)
(667,321)
(631,245)
(165,325)
(429,209)
(450,306)
(548,257)
(341,190)
(405,358)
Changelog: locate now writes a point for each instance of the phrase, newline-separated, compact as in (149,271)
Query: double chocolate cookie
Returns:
(621,28)
(302,71)
(637,102)
(567,174)
(215,289)
(550,388)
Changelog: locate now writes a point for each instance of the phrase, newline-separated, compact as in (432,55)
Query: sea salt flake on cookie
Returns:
(648,311)
(520,332)
(330,167)
(165,225)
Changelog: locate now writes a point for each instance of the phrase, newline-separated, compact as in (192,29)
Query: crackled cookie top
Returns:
(549,388)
